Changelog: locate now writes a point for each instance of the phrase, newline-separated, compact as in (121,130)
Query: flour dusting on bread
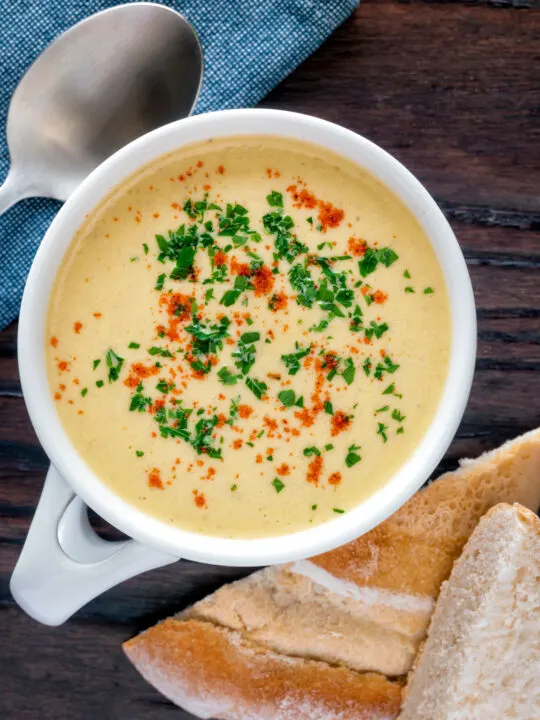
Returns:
(326,638)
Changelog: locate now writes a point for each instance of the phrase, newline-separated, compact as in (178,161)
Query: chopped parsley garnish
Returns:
(302,281)
(241,283)
(163,386)
(381,430)
(340,366)
(400,431)
(162,352)
(84,391)
(235,224)
(314,507)
(385,367)
(409,289)
(292,360)
(407,275)
(208,338)
(99,383)
(375,330)
(349,372)
(218,275)
(139,402)
(287,247)
(257,387)
(114,363)
(428,291)
(275,199)
(160,281)
(288,398)
(356,322)
(352,456)
(338,510)
(368,264)
(319,327)
(95,364)
(318,283)
(278,485)
(233,412)
(245,351)
(250,337)
(202,440)
(227,377)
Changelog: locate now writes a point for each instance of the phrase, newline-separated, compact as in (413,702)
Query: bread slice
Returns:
(367,604)
(482,656)
(214,673)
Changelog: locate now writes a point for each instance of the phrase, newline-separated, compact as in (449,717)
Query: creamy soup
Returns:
(248,337)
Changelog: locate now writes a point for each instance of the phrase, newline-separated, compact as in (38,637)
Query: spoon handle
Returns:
(11,192)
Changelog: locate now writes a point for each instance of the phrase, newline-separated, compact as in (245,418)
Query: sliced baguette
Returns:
(367,604)
(482,656)
(214,673)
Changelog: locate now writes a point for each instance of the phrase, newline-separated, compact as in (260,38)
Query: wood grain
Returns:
(452,89)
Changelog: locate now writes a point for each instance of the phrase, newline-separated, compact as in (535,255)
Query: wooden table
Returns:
(451,89)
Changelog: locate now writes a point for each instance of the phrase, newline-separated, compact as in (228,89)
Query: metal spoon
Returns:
(106,81)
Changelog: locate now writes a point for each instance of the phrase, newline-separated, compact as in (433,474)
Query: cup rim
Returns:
(274,549)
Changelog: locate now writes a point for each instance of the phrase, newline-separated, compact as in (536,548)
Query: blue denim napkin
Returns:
(249,47)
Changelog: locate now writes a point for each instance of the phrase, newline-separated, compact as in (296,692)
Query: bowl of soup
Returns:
(247,338)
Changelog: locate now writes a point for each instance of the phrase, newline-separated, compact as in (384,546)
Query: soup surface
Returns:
(248,337)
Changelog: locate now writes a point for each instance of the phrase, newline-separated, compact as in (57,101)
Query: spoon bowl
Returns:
(109,79)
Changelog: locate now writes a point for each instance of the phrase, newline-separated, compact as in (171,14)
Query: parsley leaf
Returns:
(114,363)
(275,199)
(162,352)
(257,387)
(288,398)
(227,377)
(352,456)
(160,281)
(349,371)
(302,282)
(292,360)
(278,485)
(375,330)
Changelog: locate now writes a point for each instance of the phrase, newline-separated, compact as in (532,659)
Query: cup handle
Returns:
(64,563)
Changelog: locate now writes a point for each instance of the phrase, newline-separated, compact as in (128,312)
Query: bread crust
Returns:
(298,629)
(483,610)
(417,546)
(214,672)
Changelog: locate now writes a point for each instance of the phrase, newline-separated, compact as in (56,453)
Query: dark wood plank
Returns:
(451,89)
